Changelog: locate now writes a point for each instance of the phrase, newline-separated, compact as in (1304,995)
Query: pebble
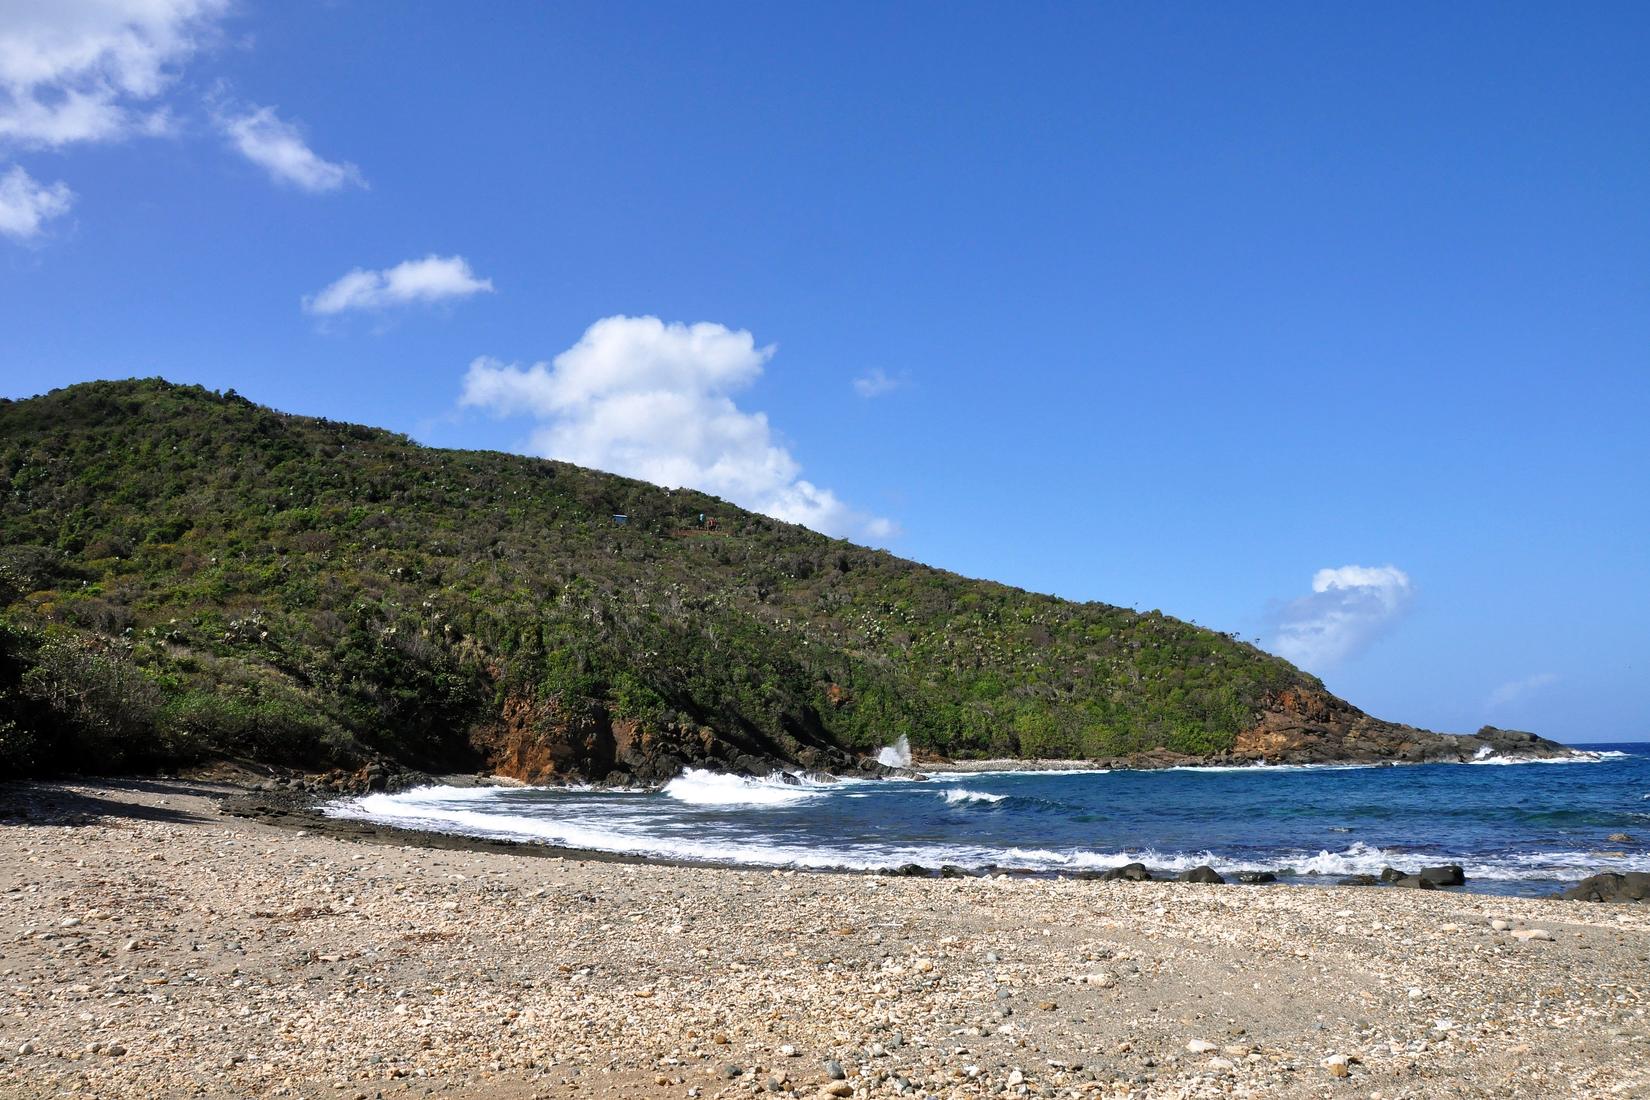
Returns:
(353,970)
(834,1070)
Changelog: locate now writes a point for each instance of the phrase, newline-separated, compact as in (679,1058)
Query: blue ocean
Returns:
(1526,828)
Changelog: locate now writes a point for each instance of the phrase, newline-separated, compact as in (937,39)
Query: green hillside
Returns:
(186,575)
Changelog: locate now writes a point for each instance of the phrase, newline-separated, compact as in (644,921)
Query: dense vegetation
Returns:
(185,574)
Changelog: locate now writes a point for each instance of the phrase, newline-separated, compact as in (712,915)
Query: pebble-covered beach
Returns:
(153,947)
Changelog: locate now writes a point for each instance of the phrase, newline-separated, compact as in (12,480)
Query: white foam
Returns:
(897,755)
(698,787)
(1577,756)
(963,794)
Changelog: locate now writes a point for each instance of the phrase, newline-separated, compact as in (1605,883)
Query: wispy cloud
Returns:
(92,70)
(26,206)
(1349,607)
(279,148)
(1515,691)
(79,71)
(653,400)
(876,382)
(432,279)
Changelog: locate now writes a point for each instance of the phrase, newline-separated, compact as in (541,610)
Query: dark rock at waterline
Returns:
(1129,872)
(1415,882)
(1359,880)
(1392,874)
(908,870)
(1611,887)
(1205,874)
(951,870)
(1255,878)
(1450,874)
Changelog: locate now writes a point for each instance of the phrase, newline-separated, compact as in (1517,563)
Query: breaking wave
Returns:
(962,794)
(698,787)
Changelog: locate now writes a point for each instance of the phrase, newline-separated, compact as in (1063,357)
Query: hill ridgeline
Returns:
(186,576)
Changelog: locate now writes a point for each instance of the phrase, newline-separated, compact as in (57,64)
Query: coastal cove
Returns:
(1524,827)
(159,949)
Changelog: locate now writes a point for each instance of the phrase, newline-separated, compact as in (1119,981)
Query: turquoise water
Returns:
(1517,828)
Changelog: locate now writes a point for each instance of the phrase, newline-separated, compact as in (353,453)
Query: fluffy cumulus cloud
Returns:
(432,279)
(26,206)
(1348,608)
(92,70)
(653,400)
(1516,691)
(279,148)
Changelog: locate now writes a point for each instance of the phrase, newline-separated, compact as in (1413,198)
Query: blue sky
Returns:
(1326,326)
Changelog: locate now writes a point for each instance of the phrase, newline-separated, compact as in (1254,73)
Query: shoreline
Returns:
(306,813)
(157,948)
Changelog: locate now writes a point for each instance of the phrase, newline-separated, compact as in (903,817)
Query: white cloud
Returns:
(432,279)
(278,147)
(652,400)
(1348,608)
(1514,691)
(89,70)
(25,205)
(876,382)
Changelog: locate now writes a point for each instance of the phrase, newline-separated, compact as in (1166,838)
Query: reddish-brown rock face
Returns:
(1301,725)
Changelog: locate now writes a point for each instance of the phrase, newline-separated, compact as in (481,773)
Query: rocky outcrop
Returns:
(1308,726)
(541,740)
(1610,886)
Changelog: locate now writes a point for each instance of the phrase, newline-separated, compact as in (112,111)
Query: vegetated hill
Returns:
(186,575)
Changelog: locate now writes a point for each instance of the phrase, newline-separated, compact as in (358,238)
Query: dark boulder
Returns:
(1415,882)
(1255,878)
(1610,886)
(1202,874)
(1359,880)
(1129,872)
(909,870)
(1392,874)
(1450,874)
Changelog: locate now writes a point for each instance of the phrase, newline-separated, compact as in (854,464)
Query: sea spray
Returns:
(897,755)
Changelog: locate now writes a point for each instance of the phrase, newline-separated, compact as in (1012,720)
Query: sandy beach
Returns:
(152,947)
